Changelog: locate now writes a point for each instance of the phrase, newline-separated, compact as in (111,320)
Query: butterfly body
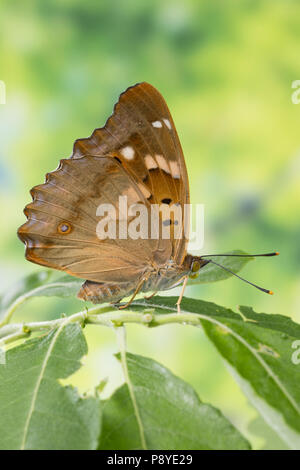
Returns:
(155,280)
(136,156)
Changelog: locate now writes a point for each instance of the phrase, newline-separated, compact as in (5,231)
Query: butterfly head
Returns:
(193,264)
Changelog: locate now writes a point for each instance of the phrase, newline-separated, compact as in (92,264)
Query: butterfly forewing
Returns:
(142,134)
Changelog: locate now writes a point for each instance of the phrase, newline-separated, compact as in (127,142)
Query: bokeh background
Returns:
(226,71)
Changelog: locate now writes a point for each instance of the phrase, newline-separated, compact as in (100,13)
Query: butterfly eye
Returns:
(195,266)
(64,228)
(167,200)
(194,269)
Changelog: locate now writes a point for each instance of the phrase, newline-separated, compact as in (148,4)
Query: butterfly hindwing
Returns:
(61,231)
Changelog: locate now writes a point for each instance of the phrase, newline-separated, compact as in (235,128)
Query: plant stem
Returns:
(105,316)
(10,333)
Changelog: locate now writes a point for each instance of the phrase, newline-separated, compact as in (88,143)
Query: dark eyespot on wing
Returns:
(64,228)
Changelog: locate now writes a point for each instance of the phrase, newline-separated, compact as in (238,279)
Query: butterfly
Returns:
(137,155)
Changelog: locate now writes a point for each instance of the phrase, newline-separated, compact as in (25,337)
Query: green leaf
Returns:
(157,410)
(21,287)
(41,284)
(64,286)
(213,273)
(258,348)
(271,440)
(36,411)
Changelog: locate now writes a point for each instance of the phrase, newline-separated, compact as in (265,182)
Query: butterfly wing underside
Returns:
(136,154)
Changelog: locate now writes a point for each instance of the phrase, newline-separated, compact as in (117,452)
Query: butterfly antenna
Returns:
(274,253)
(267,291)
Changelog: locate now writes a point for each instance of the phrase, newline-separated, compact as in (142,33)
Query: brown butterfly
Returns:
(136,154)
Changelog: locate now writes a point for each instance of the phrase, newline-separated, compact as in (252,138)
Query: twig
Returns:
(104,316)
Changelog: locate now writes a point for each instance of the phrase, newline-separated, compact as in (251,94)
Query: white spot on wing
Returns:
(167,123)
(150,162)
(162,163)
(175,169)
(156,124)
(128,152)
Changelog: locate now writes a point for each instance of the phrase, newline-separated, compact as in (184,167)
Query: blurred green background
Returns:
(225,70)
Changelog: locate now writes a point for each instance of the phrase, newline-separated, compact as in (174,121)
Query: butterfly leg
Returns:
(181,293)
(137,290)
(148,297)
